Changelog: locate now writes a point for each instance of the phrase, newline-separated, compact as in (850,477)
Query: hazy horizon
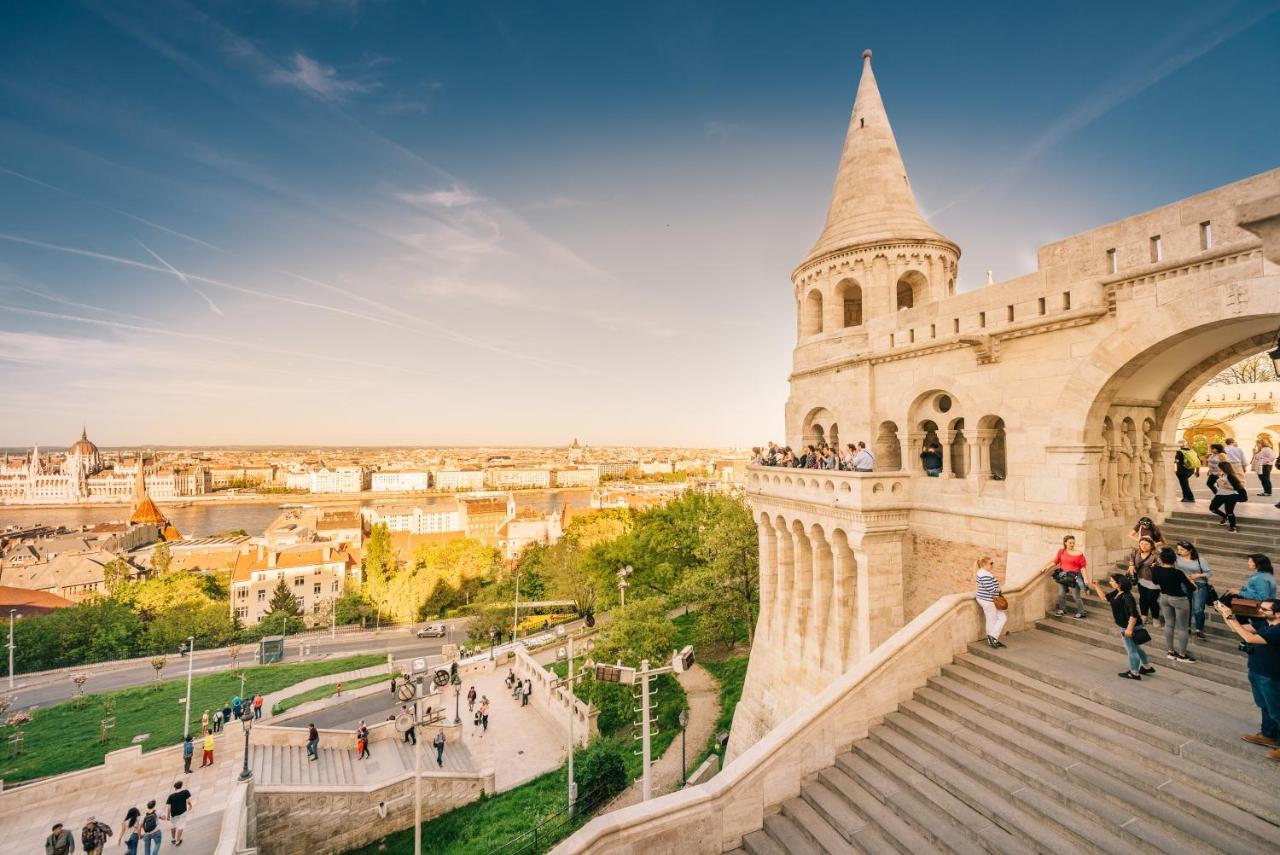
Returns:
(372,222)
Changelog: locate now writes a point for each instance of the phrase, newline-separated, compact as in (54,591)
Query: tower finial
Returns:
(866,54)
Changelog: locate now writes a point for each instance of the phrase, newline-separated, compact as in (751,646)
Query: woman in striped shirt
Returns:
(988,588)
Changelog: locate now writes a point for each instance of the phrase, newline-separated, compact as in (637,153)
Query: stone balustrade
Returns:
(555,702)
(714,816)
(834,488)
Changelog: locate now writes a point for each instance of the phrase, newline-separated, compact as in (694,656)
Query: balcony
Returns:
(854,491)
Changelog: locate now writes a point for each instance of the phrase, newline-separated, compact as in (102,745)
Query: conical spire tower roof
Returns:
(872,200)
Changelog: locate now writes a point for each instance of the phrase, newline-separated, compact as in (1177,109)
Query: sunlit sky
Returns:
(344,222)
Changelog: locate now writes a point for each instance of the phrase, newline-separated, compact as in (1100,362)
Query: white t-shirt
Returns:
(1236,455)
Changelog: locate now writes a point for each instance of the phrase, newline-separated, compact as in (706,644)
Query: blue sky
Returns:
(339,222)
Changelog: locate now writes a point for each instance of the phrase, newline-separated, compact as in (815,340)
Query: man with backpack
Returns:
(94,836)
(60,841)
(151,831)
(1185,464)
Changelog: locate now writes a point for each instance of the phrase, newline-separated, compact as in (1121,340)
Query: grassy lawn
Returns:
(484,825)
(64,738)
(323,692)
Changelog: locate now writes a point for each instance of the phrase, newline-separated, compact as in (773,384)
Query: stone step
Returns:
(1216,648)
(788,835)
(1068,720)
(1215,631)
(1094,768)
(850,825)
(899,834)
(817,829)
(1155,649)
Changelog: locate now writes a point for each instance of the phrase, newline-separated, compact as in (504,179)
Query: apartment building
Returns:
(315,573)
(517,478)
(417,519)
(400,482)
(576,476)
(458,479)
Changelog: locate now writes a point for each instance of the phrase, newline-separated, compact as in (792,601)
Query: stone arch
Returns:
(993,450)
(849,297)
(817,427)
(958,448)
(1206,432)
(811,314)
(911,289)
(888,447)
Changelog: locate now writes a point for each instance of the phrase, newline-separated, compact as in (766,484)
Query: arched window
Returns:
(911,287)
(833,437)
(888,448)
(995,460)
(812,323)
(849,293)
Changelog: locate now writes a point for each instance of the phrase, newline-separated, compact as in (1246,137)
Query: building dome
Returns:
(83,446)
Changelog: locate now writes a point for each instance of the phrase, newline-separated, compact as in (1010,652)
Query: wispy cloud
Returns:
(719,128)
(557,202)
(491,293)
(454,196)
(319,79)
(1188,43)
(181,278)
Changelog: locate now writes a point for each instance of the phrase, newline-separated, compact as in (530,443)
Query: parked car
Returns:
(432,630)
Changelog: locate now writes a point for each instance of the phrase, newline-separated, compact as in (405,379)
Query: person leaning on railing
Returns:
(1262,634)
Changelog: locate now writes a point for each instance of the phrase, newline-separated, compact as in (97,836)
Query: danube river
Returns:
(209,518)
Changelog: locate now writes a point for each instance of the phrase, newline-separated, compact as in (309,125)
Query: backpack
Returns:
(1189,460)
(150,821)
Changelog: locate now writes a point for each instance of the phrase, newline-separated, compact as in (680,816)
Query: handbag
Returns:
(1140,635)
(1000,602)
(1065,579)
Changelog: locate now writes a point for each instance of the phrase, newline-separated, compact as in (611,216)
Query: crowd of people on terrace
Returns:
(856,457)
(1174,589)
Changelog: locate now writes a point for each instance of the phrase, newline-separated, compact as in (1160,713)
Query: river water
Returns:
(206,519)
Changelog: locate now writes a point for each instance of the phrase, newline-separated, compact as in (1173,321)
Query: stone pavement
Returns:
(26,825)
(703,692)
(521,743)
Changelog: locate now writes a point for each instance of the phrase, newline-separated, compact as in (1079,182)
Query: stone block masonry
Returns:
(940,566)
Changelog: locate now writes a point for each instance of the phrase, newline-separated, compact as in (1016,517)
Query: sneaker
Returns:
(1200,634)
(1263,494)
(1129,675)
(1259,739)
(992,642)
(1232,528)
(1059,613)
(1222,522)
(999,645)
(1147,669)
(1185,657)
(1171,656)
(1192,501)
(1080,615)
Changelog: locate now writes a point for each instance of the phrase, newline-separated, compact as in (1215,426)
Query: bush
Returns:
(600,769)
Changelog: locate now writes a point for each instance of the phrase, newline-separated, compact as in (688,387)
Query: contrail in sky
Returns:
(181,276)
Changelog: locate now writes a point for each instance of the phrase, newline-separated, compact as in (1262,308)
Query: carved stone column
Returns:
(768,575)
(845,602)
(815,641)
(802,594)
(980,455)
(786,581)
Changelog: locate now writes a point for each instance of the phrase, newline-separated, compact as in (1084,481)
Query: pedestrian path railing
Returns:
(556,826)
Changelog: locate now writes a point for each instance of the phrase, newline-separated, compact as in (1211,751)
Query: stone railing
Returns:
(713,817)
(554,703)
(834,488)
(238,833)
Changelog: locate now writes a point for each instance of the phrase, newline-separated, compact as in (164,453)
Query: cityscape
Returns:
(459,429)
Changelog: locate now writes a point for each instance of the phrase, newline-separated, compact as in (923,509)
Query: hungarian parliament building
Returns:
(82,475)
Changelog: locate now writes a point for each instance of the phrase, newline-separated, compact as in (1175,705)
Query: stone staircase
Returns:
(288,765)
(1201,528)
(1040,747)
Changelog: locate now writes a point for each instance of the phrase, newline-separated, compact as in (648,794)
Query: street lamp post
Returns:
(246,721)
(492,635)
(333,618)
(515,618)
(684,724)
(623,573)
(12,612)
(186,708)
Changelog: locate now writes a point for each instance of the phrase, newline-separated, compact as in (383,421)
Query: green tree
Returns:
(161,560)
(379,564)
(353,606)
(725,587)
(114,574)
(282,612)
(640,631)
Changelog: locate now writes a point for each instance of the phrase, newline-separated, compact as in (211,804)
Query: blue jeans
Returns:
(1198,600)
(131,843)
(156,837)
(1137,656)
(1266,694)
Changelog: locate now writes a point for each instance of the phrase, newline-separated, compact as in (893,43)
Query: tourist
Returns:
(1235,454)
(217,721)
(410,735)
(1068,567)
(1185,464)
(528,691)
(131,830)
(362,741)
(204,721)
(179,806)
(257,706)
(188,750)
(1262,636)
(931,460)
(206,759)
(863,461)
(830,460)
(236,704)
(471,699)
(484,716)
(438,742)
(1142,561)
(226,713)
(151,831)
(1145,527)
(60,841)
(1261,584)
(393,686)
(1175,610)
(1264,458)
(1227,490)
(1217,454)
(1125,612)
(94,836)
(988,590)
(313,742)
(1198,571)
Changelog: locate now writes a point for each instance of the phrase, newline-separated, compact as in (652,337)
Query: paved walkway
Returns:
(703,691)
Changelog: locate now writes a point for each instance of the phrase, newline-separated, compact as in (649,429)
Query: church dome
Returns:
(83,446)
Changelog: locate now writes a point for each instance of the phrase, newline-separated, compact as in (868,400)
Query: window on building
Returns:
(1009,310)
(955,325)
(262,595)
(1066,300)
(241,593)
(891,337)
(982,319)
(1043,308)
(299,581)
(911,336)
(1157,249)
(1112,266)
(335,587)
(933,330)
(1206,235)
(316,588)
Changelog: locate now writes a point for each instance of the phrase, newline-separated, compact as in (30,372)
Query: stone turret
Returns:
(876,255)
